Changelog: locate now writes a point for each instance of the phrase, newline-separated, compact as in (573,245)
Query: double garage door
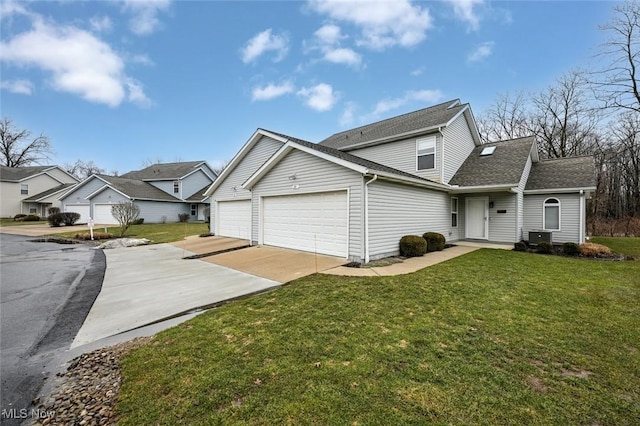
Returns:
(82,209)
(102,215)
(315,222)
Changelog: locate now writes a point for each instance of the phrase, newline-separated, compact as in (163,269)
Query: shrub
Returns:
(55,220)
(96,236)
(413,246)
(435,241)
(70,218)
(53,210)
(19,217)
(593,249)
(126,214)
(544,248)
(183,217)
(520,246)
(139,221)
(570,249)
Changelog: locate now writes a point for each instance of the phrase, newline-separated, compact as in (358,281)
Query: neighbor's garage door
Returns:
(308,222)
(102,215)
(82,209)
(234,219)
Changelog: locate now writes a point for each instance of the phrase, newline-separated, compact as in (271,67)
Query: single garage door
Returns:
(102,215)
(83,209)
(234,219)
(309,222)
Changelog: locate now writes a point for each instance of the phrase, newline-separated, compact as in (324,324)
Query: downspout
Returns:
(582,216)
(441,155)
(366,218)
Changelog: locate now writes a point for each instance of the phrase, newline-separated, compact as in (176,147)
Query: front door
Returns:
(477,218)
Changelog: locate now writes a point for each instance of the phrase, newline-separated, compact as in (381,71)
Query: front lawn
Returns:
(625,245)
(492,337)
(156,232)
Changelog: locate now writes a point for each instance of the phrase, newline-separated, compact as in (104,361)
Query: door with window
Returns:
(477,218)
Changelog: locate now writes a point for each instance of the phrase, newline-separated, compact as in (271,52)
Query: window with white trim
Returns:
(426,153)
(454,212)
(551,214)
(24,189)
(194,210)
(32,210)
(176,186)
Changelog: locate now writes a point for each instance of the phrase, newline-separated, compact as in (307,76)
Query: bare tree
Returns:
(83,169)
(563,118)
(616,84)
(17,149)
(126,214)
(219,167)
(507,118)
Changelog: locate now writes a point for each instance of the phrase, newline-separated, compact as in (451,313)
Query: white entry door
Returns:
(234,219)
(315,222)
(477,218)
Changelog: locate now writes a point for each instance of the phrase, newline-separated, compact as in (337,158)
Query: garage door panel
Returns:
(307,222)
(102,215)
(234,219)
(81,209)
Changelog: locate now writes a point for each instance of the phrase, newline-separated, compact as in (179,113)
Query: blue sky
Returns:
(121,82)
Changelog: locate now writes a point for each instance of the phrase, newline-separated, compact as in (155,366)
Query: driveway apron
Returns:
(143,285)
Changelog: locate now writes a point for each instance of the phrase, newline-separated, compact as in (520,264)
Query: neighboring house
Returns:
(32,190)
(161,191)
(356,193)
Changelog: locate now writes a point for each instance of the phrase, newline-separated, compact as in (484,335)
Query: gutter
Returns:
(509,187)
(582,216)
(366,218)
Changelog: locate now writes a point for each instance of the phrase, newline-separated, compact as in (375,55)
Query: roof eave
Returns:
(559,190)
(507,187)
(408,180)
(430,129)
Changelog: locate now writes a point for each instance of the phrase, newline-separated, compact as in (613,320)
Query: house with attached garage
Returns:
(33,189)
(161,191)
(357,192)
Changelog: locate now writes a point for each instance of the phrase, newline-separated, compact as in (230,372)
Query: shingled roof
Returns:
(426,118)
(137,189)
(16,174)
(49,192)
(164,171)
(371,165)
(563,173)
(504,166)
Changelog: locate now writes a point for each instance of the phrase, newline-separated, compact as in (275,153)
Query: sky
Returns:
(126,82)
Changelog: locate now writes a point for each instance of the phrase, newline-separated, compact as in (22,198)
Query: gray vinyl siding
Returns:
(502,226)
(402,155)
(569,216)
(61,176)
(458,144)
(158,212)
(253,160)
(396,210)
(520,200)
(166,186)
(194,182)
(108,196)
(79,195)
(313,174)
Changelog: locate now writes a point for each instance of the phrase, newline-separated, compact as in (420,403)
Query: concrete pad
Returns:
(407,266)
(38,230)
(201,245)
(278,264)
(146,284)
(481,244)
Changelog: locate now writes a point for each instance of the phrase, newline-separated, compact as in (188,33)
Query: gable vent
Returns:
(488,150)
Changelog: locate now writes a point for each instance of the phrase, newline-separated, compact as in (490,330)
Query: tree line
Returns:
(594,112)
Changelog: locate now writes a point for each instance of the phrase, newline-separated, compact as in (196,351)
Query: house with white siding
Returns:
(32,189)
(161,191)
(357,192)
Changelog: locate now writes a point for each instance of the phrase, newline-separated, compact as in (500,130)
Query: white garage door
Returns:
(82,209)
(309,222)
(234,219)
(102,215)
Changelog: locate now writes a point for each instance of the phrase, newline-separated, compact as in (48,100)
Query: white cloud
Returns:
(272,91)
(78,62)
(328,41)
(464,10)
(136,93)
(343,56)
(320,97)
(100,23)
(426,96)
(145,14)
(382,24)
(9,8)
(141,59)
(348,115)
(22,87)
(329,34)
(265,42)
(417,72)
(483,51)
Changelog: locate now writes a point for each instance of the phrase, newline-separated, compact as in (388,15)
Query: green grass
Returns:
(11,222)
(624,245)
(492,337)
(156,232)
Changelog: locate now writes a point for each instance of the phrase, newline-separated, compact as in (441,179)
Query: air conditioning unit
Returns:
(536,237)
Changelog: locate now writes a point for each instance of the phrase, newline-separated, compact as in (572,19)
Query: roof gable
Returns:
(165,171)
(134,188)
(503,166)
(17,174)
(50,192)
(563,173)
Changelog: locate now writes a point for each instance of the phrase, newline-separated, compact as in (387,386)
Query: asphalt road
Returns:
(46,292)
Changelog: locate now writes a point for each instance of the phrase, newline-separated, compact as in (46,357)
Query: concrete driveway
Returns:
(144,285)
(40,229)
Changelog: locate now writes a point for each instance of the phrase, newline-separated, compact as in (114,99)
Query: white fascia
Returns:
(509,187)
(558,190)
